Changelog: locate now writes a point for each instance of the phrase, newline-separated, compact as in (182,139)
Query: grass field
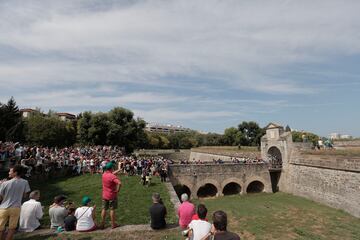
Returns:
(134,199)
(252,216)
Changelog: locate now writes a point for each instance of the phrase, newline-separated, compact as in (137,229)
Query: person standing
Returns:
(157,212)
(111,185)
(31,212)
(185,211)
(11,194)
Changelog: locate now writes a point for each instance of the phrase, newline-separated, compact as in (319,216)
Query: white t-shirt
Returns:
(200,229)
(84,218)
(31,212)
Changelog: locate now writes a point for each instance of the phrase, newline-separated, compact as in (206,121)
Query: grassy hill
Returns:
(134,199)
(252,216)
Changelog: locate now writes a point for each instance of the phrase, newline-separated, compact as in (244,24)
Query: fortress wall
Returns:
(194,176)
(206,157)
(177,156)
(331,180)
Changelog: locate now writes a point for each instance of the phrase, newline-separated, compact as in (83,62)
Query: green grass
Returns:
(134,199)
(252,216)
(283,216)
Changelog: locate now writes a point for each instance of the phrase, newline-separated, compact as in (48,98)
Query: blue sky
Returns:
(206,65)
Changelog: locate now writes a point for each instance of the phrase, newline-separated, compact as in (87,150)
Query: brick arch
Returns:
(230,180)
(255,178)
(206,181)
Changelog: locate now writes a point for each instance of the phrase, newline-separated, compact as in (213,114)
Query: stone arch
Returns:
(255,187)
(237,186)
(255,179)
(182,188)
(207,188)
(274,157)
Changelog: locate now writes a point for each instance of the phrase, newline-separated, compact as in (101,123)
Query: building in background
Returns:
(27,112)
(66,116)
(165,128)
(336,136)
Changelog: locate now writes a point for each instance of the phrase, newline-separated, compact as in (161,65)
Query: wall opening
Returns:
(208,190)
(231,189)
(274,157)
(275,177)
(255,187)
(180,189)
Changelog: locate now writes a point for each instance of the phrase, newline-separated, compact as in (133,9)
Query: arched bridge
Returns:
(207,180)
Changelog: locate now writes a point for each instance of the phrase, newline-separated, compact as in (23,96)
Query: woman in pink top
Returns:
(185,211)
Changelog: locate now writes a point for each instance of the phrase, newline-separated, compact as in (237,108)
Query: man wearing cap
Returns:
(111,186)
(85,216)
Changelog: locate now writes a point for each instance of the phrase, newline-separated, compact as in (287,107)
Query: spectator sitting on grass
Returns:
(219,227)
(157,212)
(57,212)
(199,227)
(70,220)
(31,212)
(185,211)
(85,216)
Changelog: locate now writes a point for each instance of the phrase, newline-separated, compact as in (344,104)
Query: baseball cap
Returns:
(85,200)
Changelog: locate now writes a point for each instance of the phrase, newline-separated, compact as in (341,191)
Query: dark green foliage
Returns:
(117,127)
(49,131)
(304,137)
(251,132)
(11,125)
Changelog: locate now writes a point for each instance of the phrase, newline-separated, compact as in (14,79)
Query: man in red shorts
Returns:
(111,186)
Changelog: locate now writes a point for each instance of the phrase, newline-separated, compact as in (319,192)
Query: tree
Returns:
(287,129)
(11,125)
(304,136)
(99,129)
(83,125)
(49,131)
(251,132)
(232,137)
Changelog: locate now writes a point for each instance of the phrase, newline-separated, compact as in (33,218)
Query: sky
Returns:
(203,64)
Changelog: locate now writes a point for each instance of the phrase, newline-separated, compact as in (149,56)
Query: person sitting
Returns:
(219,227)
(157,212)
(70,220)
(85,216)
(57,212)
(185,211)
(31,212)
(199,228)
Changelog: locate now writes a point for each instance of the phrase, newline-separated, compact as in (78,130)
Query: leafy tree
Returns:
(287,129)
(251,132)
(11,125)
(304,136)
(232,137)
(99,129)
(49,131)
(83,125)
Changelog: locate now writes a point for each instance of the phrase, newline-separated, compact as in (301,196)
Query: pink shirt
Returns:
(185,212)
(109,183)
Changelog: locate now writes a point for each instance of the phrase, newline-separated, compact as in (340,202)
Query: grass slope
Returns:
(134,199)
(252,216)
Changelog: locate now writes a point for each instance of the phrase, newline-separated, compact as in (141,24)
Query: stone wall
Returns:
(331,180)
(349,143)
(194,176)
(206,157)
